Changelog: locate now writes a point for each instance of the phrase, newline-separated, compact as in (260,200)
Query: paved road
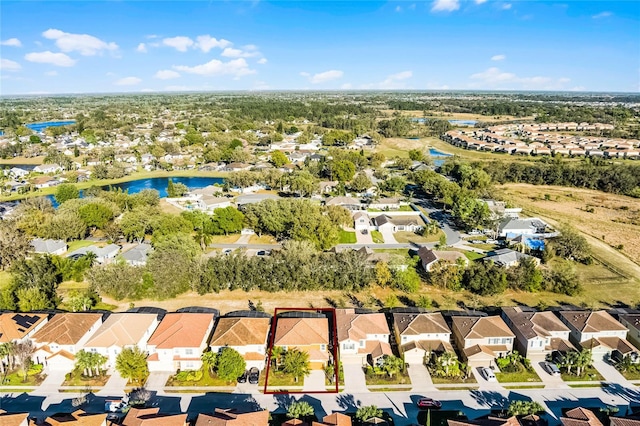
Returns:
(444,220)
(400,405)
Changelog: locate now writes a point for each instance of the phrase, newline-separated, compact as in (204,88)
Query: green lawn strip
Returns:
(75,245)
(585,385)
(17,379)
(377,237)
(208,379)
(412,237)
(525,387)
(452,380)
(278,378)
(457,388)
(403,389)
(401,378)
(518,377)
(347,237)
(589,374)
(76,378)
(633,374)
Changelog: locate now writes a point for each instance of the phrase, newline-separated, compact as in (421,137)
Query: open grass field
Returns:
(412,237)
(347,237)
(399,147)
(22,160)
(610,220)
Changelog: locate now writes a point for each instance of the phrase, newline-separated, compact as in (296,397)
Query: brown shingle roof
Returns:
(621,421)
(15,419)
(337,419)
(428,345)
(532,324)
(181,330)
(78,417)
(121,329)
(591,321)
(481,327)
(66,329)
(150,417)
(241,331)
(356,326)
(15,326)
(415,324)
(301,331)
(487,421)
(229,418)
(580,417)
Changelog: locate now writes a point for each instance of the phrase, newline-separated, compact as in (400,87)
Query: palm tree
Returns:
(296,363)
(276,354)
(392,365)
(83,362)
(202,238)
(209,359)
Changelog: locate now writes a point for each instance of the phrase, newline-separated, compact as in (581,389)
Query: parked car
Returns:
(227,251)
(551,368)
(243,378)
(487,373)
(254,375)
(364,231)
(491,241)
(427,403)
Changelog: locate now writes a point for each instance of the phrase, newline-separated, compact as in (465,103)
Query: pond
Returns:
(38,127)
(469,123)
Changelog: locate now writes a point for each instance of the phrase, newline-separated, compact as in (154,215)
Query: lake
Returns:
(469,123)
(38,127)
(159,184)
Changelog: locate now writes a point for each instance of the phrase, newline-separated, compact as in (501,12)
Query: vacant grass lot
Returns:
(347,237)
(412,237)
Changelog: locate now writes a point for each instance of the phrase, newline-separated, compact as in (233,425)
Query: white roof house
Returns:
(48,246)
(103,254)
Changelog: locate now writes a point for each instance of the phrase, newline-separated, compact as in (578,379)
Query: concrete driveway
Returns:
(354,381)
(484,384)
(314,381)
(388,237)
(114,386)
(420,378)
(51,383)
(157,380)
(610,373)
(553,382)
(363,238)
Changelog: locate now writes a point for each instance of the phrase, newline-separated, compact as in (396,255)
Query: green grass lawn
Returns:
(377,237)
(208,379)
(16,378)
(452,380)
(76,378)
(589,373)
(347,237)
(631,374)
(278,378)
(412,237)
(75,245)
(518,377)
(401,378)
(224,239)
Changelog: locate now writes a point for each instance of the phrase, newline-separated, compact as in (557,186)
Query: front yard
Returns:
(377,238)
(347,237)
(412,237)
(279,378)
(77,378)
(378,377)
(589,373)
(16,377)
(197,378)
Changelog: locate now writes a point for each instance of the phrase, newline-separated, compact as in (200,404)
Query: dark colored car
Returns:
(426,403)
(254,375)
(243,378)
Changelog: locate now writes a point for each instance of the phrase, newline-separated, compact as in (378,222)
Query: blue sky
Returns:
(136,46)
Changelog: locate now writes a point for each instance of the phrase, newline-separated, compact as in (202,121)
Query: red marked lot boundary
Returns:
(330,313)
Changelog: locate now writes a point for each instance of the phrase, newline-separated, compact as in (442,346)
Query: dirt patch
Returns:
(612,221)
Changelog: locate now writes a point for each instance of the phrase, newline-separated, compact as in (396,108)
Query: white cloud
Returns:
(480,1)
(393,81)
(506,6)
(323,77)
(177,88)
(206,43)
(166,74)
(51,73)
(47,57)
(147,90)
(498,57)
(128,81)
(180,43)
(436,86)
(152,36)
(260,85)
(578,89)
(602,15)
(494,78)
(262,61)
(398,9)
(230,52)
(86,44)
(142,48)
(346,86)
(236,68)
(8,65)
(445,5)
(14,42)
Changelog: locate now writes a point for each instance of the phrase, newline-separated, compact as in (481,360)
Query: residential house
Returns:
(580,417)
(14,419)
(48,168)
(362,337)
(597,331)
(236,167)
(633,420)
(421,335)
(511,228)
(209,203)
(486,421)
(328,186)
(77,418)
(309,335)
(482,339)
(399,223)
(228,417)
(179,341)
(500,210)
(349,203)
(137,255)
(103,254)
(246,335)
(361,221)
(386,204)
(16,327)
(537,333)
(62,337)
(334,419)
(506,258)
(632,322)
(152,417)
(121,331)
(429,257)
(57,247)
(17,172)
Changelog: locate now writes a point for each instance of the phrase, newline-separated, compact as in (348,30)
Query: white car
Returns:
(487,373)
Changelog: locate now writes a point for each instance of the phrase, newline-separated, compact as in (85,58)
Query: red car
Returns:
(427,403)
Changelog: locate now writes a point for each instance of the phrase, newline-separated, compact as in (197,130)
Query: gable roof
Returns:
(47,246)
(13,419)
(532,323)
(181,330)
(151,417)
(503,257)
(138,253)
(416,324)
(481,327)
(591,321)
(78,417)
(121,329)
(336,419)
(223,417)
(16,326)
(301,331)
(99,251)
(354,326)
(580,417)
(66,328)
(241,331)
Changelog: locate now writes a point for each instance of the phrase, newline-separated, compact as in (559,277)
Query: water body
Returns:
(38,127)
(469,123)
(159,184)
